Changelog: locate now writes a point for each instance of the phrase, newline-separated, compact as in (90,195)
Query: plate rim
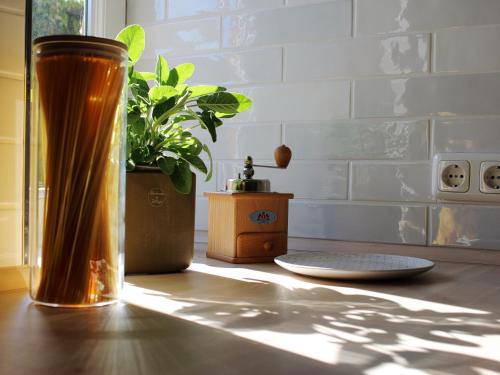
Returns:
(428,267)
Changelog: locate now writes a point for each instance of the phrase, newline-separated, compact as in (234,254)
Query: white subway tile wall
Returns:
(308,179)
(358,222)
(11,157)
(288,25)
(450,95)
(358,57)
(238,141)
(188,8)
(11,129)
(187,37)
(365,140)
(451,56)
(146,11)
(402,182)
(10,233)
(12,105)
(466,135)
(12,25)
(396,16)
(365,92)
(469,226)
(232,68)
(305,101)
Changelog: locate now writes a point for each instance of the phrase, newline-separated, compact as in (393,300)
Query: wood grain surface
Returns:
(220,318)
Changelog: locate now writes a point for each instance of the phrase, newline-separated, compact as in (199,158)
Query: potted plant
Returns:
(161,154)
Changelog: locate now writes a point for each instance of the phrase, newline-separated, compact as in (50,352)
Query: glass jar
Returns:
(77,170)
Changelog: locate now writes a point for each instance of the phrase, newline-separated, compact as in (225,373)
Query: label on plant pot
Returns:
(156,197)
(263,217)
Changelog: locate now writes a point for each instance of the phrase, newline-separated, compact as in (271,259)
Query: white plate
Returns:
(353,266)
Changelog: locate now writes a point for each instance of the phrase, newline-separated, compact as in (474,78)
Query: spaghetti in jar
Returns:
(77,174)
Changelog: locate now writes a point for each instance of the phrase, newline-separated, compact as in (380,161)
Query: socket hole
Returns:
(461,176)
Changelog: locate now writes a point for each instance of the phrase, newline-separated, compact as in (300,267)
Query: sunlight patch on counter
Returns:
(291,283)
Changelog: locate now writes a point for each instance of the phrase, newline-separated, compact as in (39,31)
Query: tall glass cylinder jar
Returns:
(77,174)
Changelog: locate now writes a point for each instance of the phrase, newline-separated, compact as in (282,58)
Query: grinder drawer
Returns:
(264,244)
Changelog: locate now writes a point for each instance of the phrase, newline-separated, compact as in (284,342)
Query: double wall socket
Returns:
(466,177)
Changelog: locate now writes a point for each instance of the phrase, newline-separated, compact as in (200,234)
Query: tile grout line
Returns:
(349,180)
(283,63)
(428,228)
(432,53)
(13,11)
(12,76)
(221,32)
(354,18)
(430,138)
(351,100)
(282,133)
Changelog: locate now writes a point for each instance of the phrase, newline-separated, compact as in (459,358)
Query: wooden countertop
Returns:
(219,318)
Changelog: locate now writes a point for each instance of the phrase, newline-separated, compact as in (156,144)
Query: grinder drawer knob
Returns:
(268,246)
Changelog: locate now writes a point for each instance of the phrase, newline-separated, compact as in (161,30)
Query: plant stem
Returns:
(192,127)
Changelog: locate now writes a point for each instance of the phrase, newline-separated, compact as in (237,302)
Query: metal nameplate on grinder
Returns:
(263,217)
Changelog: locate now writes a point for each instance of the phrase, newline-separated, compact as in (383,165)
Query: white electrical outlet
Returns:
(490,177)
(454,175)
(466,177)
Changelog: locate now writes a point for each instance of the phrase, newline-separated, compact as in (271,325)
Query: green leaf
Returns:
(139,87)
(130,70)
(139,126)
(210,168)
(137,123)
(182,177)
(224,102)
(162,71)
(179,74)
(224,115)
(133,37)
(182,89)
(163,107)
(130,165)
(183,99)
(162,93)
(185,144)
(139,154)
(196,162)
(167,164)
(204,90)
(140,79)
(183,117)
(147,76)
(208,120)
(196,147)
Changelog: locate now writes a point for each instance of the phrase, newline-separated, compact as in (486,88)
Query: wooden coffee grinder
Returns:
(247,223)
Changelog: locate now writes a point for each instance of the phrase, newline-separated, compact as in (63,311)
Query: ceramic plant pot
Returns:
(159,224)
